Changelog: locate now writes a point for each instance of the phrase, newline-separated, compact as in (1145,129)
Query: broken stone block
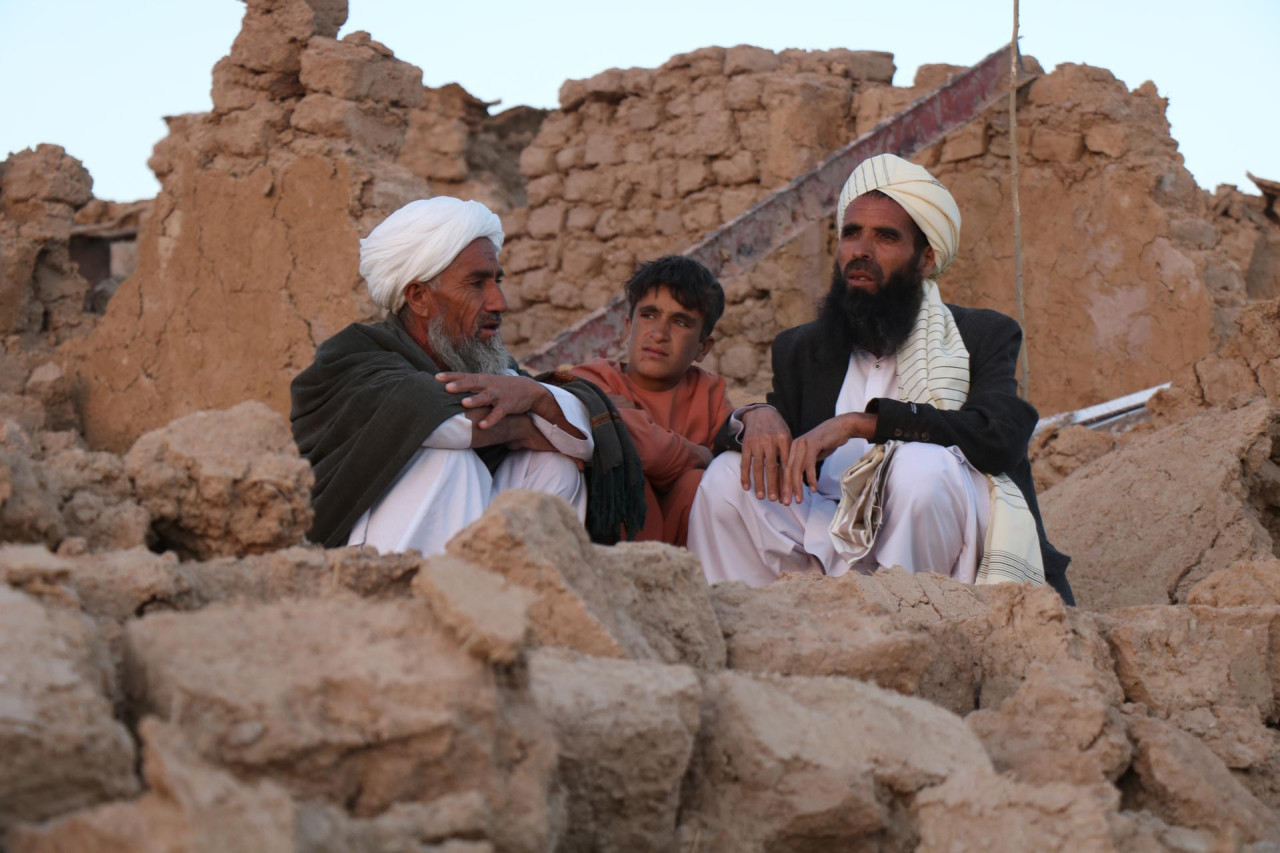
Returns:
(831,626)
(194,807)
(1181,658)
(626,732)
(1182,781)
(1155,516)
(483,612)
(817,763)
(63,749)
(189,807)
(978,811)
(1058,453)
(641,600)
(1243,584)
(117,585)
(1028,626)
(359,703)
(1054,729)
(224,483)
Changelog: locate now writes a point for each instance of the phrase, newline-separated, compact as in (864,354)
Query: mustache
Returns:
(490,317)
(863,265)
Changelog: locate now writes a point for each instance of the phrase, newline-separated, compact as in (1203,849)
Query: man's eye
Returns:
(682,322)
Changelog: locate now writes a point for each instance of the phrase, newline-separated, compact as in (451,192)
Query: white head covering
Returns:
(921,195)
(418,241)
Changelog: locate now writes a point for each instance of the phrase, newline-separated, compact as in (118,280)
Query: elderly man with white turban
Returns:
(894,434)
(413,424)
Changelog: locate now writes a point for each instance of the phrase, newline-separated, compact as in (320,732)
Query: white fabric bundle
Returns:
(921,195)
(418,241)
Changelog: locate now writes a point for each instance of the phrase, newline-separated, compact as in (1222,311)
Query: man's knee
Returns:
(545,471)
(719,480)
(924,475)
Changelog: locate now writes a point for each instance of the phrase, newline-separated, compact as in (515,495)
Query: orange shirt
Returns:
(665,425)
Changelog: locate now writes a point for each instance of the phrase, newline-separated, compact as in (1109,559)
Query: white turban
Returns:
(921,195)
(418,241)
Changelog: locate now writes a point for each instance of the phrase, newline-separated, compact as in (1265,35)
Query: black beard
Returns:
(879,322)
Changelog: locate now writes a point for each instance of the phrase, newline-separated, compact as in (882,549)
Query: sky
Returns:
(97,77)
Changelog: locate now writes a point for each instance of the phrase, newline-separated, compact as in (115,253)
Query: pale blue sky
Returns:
(96,77)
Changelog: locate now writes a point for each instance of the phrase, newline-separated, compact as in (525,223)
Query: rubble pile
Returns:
(531,691)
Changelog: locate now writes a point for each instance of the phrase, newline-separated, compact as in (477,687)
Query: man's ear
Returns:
(704,348)
(928,262)
(419,298)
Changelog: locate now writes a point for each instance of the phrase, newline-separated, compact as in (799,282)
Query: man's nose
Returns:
(495,301)
(661,331)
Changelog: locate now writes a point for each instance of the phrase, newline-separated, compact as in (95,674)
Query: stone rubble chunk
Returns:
(1055,729)
(193,807)
(626,733)
(978,811)
(1180,658)
(1246,583)
(1182,781)
(224,483)
(482,610)
(1030,626)
(848,626)
(640,600)
(63,749)
(364,704)
(817,763)
(1212,474)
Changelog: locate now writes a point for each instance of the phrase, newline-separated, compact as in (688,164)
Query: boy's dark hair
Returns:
(691,284)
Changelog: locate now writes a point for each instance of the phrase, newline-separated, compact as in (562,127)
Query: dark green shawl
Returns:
(370,399)
(359,413)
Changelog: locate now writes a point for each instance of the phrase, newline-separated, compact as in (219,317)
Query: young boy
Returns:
(671,407)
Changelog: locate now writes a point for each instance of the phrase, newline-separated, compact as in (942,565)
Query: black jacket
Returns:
(993,427)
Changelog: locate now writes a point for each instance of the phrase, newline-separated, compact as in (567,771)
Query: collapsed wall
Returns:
(248,257)
(1120,246)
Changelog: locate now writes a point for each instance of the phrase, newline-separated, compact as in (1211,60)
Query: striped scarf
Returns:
(933,368)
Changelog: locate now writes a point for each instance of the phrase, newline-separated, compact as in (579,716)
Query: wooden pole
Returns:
(1024,385)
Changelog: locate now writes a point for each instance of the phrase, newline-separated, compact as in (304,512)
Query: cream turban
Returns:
(418,241)
(921,195)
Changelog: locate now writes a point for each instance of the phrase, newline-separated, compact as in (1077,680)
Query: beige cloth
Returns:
(933,368)
(921,195)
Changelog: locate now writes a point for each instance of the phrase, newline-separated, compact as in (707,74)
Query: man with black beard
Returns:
(894,434)
(413,424)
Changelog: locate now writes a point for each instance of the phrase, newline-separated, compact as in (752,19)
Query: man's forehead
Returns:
(479,255)
(876,204)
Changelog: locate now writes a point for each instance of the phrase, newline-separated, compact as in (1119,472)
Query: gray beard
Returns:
(469,355)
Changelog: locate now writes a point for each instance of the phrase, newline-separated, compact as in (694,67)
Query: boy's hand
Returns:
(766,443)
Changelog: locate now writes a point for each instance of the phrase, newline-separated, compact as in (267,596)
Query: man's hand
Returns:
(502,395)
(817,444)
(766,442)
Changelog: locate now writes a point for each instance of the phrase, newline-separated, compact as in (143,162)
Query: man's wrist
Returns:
(859,425)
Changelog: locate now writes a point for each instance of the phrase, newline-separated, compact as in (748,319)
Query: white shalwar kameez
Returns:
(445,486)
(935,506)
